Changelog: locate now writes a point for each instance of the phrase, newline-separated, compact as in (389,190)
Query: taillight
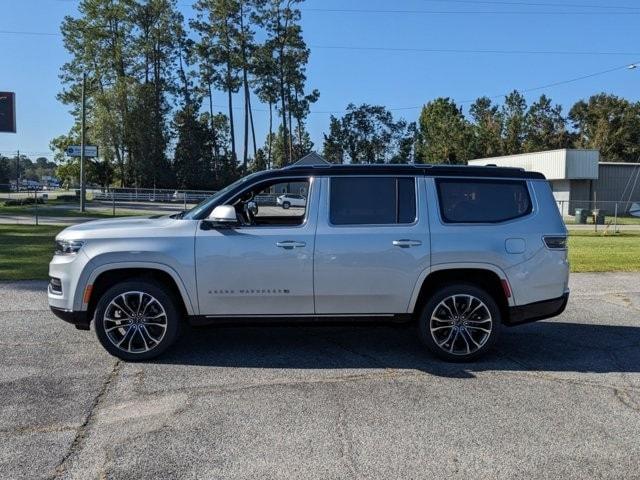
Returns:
(556,242)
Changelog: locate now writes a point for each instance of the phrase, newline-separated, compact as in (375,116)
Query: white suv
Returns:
(462,251)
(289,200)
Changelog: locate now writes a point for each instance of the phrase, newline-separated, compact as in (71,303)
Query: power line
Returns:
(461,50)
(22,32)
(412,49)
(463,12)
(26,153)
(492,2)
(502,95)
(560,82)
(536,4)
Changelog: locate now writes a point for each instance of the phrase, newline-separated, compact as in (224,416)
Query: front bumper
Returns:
(537,311)
(79,319)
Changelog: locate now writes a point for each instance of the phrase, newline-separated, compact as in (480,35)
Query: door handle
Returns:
(405,243)
(290,244)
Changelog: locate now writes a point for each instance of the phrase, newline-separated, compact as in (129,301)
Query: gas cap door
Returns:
(515,245)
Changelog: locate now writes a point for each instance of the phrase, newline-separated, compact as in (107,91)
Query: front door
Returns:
(265,266)
(372,244)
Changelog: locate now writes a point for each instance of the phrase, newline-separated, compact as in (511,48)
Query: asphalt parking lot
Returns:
(559,399)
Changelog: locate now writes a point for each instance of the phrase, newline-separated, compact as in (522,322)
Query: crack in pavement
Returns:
(622,395)
(38,429)
(346,444)
(78,441)
(207,389)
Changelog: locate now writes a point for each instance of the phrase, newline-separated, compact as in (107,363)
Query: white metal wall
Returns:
(565,164)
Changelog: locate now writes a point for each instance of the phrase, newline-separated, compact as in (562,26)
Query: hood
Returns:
(117,228)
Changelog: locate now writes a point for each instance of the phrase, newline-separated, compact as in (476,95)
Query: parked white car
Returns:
(290,200)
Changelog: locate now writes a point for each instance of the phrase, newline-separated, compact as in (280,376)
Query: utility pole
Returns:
(18,172)
(84,82)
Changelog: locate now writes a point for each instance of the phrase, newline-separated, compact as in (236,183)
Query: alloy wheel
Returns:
(461,324)
(135,322)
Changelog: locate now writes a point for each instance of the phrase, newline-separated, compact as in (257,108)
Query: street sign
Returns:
(89,151)
(7,112)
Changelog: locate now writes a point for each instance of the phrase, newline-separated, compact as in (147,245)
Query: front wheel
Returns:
(286,205)
(460,323)
(136,320)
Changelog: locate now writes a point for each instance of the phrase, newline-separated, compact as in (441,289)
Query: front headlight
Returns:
(68,247)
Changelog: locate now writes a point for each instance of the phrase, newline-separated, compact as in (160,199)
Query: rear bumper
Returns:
(537,310)
(79,319)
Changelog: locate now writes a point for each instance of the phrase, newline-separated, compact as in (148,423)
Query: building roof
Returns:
(563,164)
(312,158)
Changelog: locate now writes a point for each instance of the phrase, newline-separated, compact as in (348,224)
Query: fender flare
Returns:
(184,293)
(452,266)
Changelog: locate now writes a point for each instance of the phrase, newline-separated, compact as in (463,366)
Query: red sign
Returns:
(7,112)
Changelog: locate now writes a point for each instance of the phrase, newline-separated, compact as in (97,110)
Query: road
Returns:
(558,399)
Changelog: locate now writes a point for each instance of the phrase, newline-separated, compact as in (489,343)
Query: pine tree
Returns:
(487,128)
(445,135)
(513,113)
(216,24)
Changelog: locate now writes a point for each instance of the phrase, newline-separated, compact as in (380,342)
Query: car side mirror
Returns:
(224,215)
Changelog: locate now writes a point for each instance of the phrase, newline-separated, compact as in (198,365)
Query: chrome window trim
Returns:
(305,220)
(371,225)
(532,198)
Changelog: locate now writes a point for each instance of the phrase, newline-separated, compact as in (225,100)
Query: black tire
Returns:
(466,335)
(286,205)
(162,320)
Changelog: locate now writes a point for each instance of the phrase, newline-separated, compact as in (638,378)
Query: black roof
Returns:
(413,169)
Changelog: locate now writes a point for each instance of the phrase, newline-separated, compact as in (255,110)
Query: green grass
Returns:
(594,252)
(26,251)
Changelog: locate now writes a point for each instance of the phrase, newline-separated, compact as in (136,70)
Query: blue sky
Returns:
(29,64)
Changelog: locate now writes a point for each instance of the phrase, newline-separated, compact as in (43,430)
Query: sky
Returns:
(399,54)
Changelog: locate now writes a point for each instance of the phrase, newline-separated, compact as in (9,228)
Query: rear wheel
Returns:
(136,320)
(460,323)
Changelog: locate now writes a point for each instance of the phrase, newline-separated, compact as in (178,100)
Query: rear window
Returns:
(372,200)
(482,201)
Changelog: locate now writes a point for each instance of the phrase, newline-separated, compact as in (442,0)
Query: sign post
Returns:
(84,82)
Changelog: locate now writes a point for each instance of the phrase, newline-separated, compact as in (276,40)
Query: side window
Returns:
(372,200)
(276,203)
(482,201)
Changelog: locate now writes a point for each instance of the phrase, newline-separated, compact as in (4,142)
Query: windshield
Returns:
(205,205)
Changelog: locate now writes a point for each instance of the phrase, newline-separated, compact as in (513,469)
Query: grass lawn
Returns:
(593,252)
(25,251)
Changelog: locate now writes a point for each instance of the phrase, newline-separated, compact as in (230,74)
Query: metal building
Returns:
(579,179)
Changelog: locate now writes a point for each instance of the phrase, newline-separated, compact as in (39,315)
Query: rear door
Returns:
(372,243)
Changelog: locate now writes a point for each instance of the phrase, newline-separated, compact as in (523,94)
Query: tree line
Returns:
(444,134)
(154,80)
(25,168)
